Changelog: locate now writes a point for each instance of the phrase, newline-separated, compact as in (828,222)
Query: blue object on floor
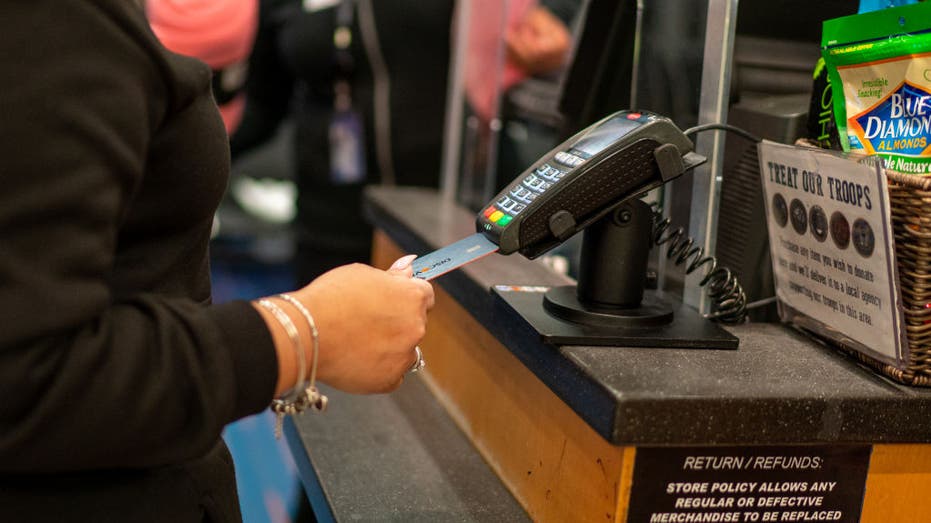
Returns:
(266,476)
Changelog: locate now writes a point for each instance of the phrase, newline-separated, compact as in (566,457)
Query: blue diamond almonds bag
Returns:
(879,64)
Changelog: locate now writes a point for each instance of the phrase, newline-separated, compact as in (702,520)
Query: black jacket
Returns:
(116,376)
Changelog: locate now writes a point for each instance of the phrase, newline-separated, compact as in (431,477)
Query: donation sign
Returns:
(798,483)
(831,243)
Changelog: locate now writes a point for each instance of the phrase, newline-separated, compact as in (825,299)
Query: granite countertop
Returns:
(394,457)
(779,387)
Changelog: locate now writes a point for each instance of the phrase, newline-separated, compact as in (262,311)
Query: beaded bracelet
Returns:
(294,401)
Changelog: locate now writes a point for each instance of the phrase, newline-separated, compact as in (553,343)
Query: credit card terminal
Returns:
(582,179)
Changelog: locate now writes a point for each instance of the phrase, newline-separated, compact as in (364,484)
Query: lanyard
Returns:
(343,62)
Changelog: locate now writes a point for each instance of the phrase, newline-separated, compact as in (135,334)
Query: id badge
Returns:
(347,151)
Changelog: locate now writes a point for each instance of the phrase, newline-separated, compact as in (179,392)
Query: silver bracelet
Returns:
(315,335)
(312,396)
(295,337)
(293,402)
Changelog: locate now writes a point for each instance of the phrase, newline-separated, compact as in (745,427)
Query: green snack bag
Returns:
(822,128)
(879,65)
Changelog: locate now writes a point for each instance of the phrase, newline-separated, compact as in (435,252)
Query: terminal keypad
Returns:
(530,188)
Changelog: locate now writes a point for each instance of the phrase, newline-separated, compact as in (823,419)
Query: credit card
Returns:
(453,256)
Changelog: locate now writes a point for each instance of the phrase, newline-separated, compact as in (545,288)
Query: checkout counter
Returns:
(502,427)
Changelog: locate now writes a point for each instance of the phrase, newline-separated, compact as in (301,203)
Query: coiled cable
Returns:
(728,299)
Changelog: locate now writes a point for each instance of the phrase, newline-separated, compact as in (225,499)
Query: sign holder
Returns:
(832,244)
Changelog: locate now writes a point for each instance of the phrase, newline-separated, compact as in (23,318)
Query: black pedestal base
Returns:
(686,329)
(563,303)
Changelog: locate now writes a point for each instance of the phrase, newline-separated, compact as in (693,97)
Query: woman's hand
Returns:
(369,323)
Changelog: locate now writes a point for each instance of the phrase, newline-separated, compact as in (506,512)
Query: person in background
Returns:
(535,42)
(218,32)
(531,121)
(516,52)
(117,374)
(364,84)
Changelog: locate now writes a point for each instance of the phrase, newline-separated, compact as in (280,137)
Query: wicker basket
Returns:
(910,205)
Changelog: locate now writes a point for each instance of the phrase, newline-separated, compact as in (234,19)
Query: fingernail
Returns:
(402,263)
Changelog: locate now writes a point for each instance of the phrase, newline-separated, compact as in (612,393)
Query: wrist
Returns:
(288,365)
(304,394)
(309,334)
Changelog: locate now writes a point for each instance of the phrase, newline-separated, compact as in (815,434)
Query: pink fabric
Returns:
(487,72)
(219,32)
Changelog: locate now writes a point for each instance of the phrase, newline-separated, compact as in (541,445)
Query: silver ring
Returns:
(418,365)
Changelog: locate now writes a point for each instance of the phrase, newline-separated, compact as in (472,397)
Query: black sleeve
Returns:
(89,379)
(270,82)
(565,10)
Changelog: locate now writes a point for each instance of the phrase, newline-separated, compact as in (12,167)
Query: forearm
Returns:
(146,383)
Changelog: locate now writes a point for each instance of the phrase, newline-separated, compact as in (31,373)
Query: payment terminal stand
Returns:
(592,183)
(610,304)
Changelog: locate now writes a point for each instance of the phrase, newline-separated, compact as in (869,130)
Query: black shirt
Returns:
(116,376)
